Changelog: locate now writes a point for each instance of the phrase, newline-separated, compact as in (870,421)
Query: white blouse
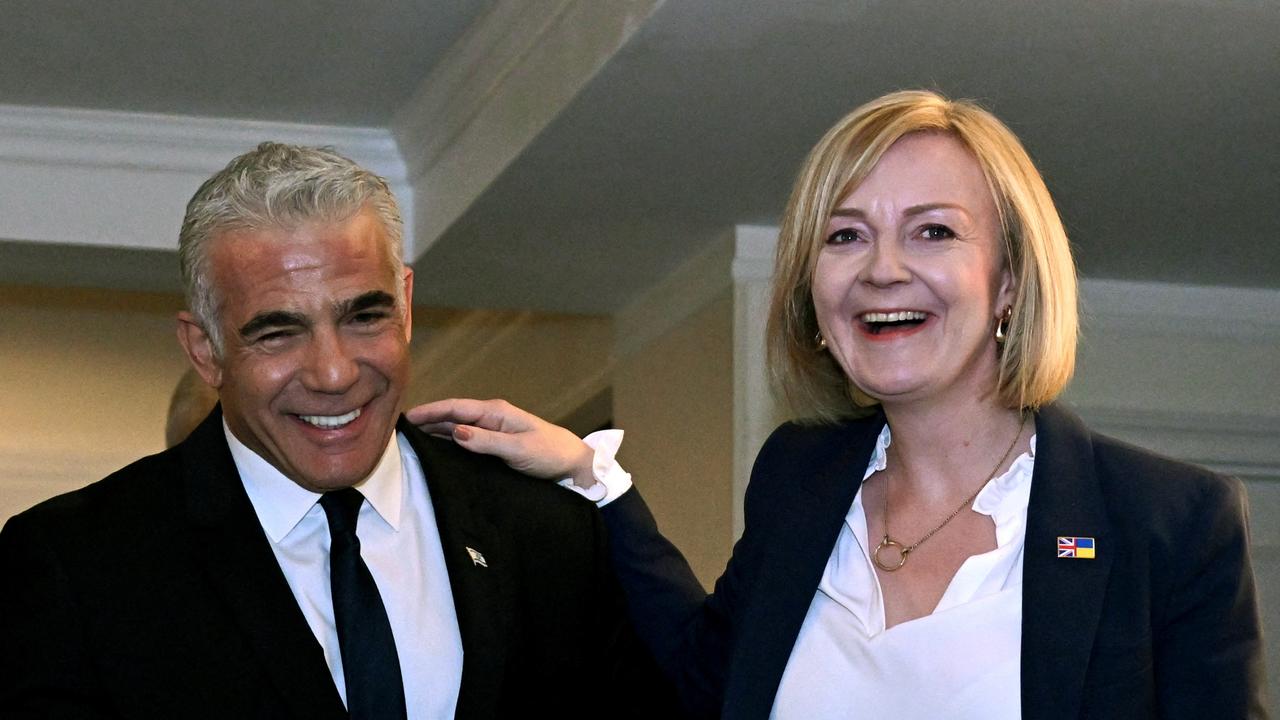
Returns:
(961,661)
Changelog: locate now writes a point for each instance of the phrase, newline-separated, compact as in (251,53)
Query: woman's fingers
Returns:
(486,414)
(523,441)
(511,448)
(454,410)
(548,452)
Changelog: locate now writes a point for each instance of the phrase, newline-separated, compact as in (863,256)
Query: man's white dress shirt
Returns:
(399,541)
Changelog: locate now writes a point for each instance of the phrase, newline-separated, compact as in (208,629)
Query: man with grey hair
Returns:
(305,552)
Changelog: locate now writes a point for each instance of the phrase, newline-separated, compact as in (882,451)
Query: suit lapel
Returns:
(799,547)
(478,560)
(1061,597)
(234,553)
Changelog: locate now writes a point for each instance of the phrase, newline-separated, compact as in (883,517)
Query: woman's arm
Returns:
(688,631)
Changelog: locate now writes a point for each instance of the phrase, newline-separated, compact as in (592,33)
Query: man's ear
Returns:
(408,303)
(199,348)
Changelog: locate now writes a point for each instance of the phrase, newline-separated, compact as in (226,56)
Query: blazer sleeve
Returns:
(44,671)
(632,685)
(1208,644)
(689,632)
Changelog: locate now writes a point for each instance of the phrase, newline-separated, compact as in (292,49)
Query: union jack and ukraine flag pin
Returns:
(1076,547)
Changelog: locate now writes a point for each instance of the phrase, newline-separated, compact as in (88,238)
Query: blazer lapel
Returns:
(788,577)
(1061,597)
(234,553)
(477,559)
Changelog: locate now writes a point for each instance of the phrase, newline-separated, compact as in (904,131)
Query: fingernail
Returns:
(462,432)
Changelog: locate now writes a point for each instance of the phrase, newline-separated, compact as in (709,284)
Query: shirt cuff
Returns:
(611,480)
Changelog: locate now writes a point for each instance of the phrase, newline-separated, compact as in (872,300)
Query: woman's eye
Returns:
(937,232)
(842,236)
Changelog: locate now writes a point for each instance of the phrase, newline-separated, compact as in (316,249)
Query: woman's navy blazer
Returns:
(1161,623)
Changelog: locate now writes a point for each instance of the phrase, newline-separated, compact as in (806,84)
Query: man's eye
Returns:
(368,317)
(275,336)
(937,232)
(843,236)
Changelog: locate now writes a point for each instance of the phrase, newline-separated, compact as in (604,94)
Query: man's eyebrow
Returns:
(269,319)
(367,301)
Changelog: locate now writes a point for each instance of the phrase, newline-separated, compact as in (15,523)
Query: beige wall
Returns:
(551,365)
(85,377)
(674,397)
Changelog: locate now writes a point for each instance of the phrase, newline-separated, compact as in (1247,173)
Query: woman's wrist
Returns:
(600,479)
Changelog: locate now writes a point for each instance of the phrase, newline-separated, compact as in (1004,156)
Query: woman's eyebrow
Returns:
(913,210)
(848,212)
(927,207)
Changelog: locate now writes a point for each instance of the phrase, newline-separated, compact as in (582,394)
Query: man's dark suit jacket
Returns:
(1162,623)
(155,594)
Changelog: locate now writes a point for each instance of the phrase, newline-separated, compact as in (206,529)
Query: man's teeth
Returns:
(331,421)
(878,317)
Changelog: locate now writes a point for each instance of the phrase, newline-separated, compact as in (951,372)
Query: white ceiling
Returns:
(1155,122)
(315,61)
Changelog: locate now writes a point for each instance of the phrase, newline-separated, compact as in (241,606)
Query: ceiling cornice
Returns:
(499,86)
(91,177)
(172,143)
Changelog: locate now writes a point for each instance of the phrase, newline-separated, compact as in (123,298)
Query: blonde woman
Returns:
(938,538)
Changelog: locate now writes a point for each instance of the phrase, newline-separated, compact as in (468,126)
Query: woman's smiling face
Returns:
(911,280)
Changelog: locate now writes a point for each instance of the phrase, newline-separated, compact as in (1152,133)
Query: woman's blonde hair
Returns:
(1037,357)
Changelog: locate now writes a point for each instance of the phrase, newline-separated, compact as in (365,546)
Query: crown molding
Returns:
(1243,314)
(172,143)
(514,70)
(1243,445)
(117,179)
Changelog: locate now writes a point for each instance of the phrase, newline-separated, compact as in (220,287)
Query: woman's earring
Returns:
(1002,327)
(820,341)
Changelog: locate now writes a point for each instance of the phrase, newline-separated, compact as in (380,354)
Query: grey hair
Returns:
(276,186)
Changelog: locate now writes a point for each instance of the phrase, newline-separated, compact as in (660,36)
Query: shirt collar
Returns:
(879,454)
(281,503)
(994,499)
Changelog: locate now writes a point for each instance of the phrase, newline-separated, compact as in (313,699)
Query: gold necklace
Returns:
(905,550)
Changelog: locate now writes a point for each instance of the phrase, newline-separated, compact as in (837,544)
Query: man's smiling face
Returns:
(316,353)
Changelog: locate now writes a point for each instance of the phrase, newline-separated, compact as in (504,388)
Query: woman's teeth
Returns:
(329,422)
(902,316)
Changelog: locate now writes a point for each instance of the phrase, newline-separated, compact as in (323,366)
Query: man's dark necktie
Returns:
(369,661)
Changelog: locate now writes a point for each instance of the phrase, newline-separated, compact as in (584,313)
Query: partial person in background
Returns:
(190,404)
(305,553)
(938,538)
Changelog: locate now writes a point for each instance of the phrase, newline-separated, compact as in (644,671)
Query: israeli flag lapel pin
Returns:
(477,558)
